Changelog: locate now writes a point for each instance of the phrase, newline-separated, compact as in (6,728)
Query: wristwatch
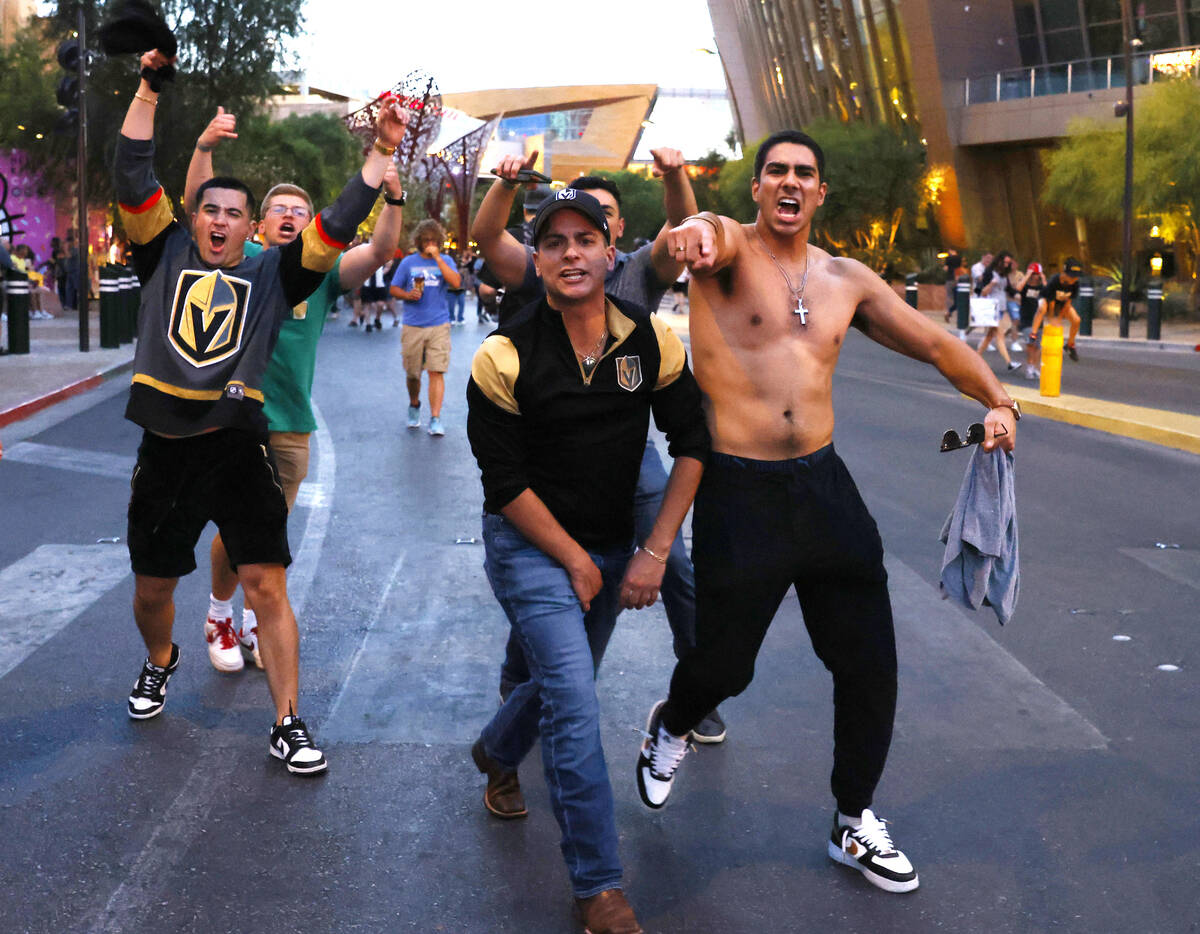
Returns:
(1010,404)
(399,202)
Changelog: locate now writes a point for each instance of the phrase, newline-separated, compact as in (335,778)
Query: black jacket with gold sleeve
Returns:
(205,334)
(537,422)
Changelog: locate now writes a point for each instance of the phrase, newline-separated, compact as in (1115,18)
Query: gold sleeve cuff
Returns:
(673,357)
(495,369)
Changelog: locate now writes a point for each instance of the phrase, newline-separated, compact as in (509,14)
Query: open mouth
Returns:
(789,207)
(217,241)
(287,229)
(573,275)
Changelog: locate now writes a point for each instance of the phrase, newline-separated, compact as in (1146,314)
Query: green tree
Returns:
(314,151)
(641,206)
(873,173)
(28,112)
(1084,173)
(229,52)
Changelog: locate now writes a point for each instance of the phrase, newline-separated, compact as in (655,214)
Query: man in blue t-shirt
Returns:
(422,280)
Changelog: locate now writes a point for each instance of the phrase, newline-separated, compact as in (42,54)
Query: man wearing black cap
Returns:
(1057,301)
(559,404)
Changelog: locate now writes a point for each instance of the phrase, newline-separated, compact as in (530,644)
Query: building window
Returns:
(1066,45)
(1059,14)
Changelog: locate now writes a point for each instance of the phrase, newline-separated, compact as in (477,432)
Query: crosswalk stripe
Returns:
(49,587)
(100,463)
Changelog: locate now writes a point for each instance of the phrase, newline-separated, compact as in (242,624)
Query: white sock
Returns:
(854,822)
(249,621)
(220,609)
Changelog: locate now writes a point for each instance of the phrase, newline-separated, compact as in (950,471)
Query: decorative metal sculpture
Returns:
(418,91)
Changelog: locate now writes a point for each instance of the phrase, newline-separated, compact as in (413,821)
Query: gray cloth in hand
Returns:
(980,566)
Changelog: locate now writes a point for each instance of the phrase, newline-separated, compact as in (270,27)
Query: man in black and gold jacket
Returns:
(559,401)
(208,322)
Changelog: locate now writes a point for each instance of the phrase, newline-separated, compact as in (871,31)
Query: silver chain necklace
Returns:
(589,360)
(797,294)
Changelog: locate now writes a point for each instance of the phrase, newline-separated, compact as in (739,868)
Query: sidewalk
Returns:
(55,369)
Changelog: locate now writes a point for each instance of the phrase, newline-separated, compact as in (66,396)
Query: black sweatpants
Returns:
(758,528)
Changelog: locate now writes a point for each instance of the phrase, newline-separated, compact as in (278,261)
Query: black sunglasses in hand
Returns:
(975,434)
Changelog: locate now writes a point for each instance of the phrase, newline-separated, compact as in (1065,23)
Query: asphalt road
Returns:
(1043,774)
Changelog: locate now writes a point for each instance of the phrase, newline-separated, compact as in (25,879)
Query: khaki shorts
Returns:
(291,460)
(425,349)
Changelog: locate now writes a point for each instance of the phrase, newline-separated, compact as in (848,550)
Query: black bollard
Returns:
(1087,305)
(1154,303)
(16,284)
(109,328)
(962,297)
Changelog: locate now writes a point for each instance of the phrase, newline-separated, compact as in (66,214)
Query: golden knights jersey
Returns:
(205,334)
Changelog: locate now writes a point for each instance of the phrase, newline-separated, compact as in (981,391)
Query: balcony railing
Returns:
(1092,74)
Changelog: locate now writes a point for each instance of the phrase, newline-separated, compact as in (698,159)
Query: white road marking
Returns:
(208,783)
(100,463)
(49,587)
(1181,565)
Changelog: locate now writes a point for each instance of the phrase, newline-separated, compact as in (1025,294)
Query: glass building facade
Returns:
(1052,31)
(847,59)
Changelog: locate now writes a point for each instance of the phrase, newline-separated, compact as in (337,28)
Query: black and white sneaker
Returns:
(148,696)
(869,849)
(291,743)
(658,760)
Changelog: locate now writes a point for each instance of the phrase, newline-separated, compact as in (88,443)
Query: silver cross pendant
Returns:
(801,311)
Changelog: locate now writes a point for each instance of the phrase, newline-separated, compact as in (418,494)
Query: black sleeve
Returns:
(679,413)
(498,442)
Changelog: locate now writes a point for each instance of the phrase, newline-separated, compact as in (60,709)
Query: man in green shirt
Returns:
(287,384)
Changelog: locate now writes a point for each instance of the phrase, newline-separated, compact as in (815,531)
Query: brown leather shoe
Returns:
(503,793)
(608,913)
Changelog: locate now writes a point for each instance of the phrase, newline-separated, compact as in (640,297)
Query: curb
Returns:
(1121,343)
(1156,426)
(32,406)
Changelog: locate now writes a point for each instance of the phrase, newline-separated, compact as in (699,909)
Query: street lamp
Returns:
(1125,109)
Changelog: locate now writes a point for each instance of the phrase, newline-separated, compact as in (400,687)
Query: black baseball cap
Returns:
(571,200)
(1072,267)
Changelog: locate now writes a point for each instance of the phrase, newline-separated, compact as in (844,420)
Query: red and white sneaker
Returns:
(249,643)
(223,649)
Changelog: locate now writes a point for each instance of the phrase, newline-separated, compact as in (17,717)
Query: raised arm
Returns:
(706,242)
(506,257)
(890,321)
(200,168)
(679,201)
(364,259)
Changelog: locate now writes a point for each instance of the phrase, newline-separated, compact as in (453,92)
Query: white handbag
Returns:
(984,313)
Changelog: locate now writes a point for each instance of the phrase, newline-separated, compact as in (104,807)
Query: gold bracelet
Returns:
(383,150)
(149,100)
(714,222)
(652,554)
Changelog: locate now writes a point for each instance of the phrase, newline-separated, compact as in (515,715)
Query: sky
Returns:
(466,46)
(351,49)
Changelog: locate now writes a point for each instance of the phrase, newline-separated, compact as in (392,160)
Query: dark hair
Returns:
(228,183)
(998,260)
(592,182)
(789,136)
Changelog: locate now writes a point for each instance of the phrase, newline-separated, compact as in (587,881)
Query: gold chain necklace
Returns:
(797,294)
(589,360)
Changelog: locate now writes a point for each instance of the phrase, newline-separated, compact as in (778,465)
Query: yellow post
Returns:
(1052,354)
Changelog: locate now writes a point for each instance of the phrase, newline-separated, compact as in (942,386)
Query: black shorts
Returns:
(372,293)
(181,484)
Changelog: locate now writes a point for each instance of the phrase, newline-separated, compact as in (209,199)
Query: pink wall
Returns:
(40,222)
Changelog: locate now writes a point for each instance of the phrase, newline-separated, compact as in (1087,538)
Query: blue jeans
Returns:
(679,581)
(457,300)
(563,647)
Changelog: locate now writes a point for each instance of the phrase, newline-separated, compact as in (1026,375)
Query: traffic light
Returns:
(67,93)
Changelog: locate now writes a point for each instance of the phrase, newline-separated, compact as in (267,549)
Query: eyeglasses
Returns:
(279,210)
(952,442)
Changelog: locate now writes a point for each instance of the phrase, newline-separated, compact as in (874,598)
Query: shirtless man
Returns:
(769,314)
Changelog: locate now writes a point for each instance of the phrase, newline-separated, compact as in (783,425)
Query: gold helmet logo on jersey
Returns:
(629,372)
(208,316)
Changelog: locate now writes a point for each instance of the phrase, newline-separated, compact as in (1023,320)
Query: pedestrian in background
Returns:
(422,281)
(994,284)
